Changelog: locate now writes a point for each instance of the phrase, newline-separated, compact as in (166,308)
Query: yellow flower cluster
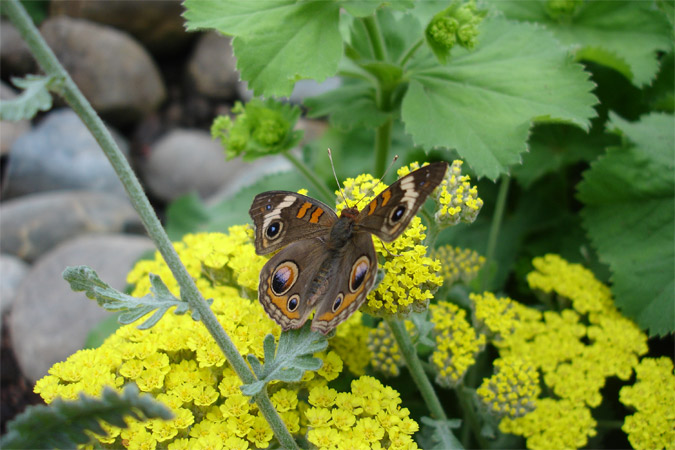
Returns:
(410,277)
(456,343)
(179,363)
(457,201)
(513,389)
(387,358)
(350,342)
(653,398)
(457,264)
(575,349)
(554,424)
(370,416)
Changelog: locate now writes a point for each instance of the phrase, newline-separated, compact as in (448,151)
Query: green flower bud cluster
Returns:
(260,128)
(458,264)
(562,10)
(386,355)
(457,24)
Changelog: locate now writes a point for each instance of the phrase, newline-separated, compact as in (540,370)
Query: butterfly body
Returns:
(326,262)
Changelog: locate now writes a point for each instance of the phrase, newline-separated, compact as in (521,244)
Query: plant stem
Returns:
(410,52)
(71,93)
(497,218)
(472,423)
(323,192)
(382,145)
(375,38)
(415,367)
(433,229)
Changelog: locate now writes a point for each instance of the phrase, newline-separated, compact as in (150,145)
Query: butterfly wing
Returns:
(353,279)
(286,281)
(388,214)
(282,217)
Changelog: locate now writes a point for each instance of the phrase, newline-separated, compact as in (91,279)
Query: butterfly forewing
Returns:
(388,214)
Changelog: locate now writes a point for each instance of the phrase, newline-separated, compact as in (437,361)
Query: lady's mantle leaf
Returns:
(65,424)
(83,278)
(629,214)
(276,42)
(292,357)
(483,102)
(35,97)
(624,35)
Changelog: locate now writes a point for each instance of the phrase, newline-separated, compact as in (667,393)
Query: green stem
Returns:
(375,38)
(382,145)
(326,195)
(471,419)
(410,53)
(433,229)
(416,369)
(497,218)
(70,92)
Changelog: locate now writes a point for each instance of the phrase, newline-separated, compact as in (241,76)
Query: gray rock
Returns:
(212,67)
(185,161)
(15,57)
(12,271)
(49,321)
(9,130)
(34,224)
(111,68)
(60,153)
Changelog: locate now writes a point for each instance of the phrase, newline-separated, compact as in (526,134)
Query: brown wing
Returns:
(388,215)
(282,217)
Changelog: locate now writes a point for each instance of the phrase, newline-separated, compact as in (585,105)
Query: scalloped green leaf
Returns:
(629,195)
(64,424)
(159,300)
(348,106)
(624,35)
(35,97)
(276,42)
(484,102)
(292,357)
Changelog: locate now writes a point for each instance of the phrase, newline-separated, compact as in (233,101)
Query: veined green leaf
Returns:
(276,42)
(624,35)
(348,106)
(629,214)
(65,424)
(484,102)
(35,97)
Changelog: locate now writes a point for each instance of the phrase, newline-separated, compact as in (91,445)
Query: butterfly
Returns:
(326,262)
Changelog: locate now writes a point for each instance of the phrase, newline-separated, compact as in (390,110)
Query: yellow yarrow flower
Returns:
(457,264)
(410,276)
(513,389)
(387,357)
(457,343)
(653,399)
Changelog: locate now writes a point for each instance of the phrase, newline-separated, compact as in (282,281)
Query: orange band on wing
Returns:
(386,195)
(371,207)
(281,303)
(315,215)
(303,210)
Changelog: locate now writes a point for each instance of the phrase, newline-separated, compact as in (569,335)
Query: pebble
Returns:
(34,224)
(10,130)
(15,56)
(114,72)
(48,321)
(212,67)
(157,24)
(187,160)
(60,153)
(12,271)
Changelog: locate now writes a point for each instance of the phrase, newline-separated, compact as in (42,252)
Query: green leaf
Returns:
(361,8)
(484,102)
(35,97)
(629,214)
(625,35)
(553,147)
(63,424)
(289,361)
(348,106)
(441,435)
(160,299)
(276,42)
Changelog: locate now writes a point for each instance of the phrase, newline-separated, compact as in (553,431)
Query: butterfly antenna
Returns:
(332,166)
(378,181)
